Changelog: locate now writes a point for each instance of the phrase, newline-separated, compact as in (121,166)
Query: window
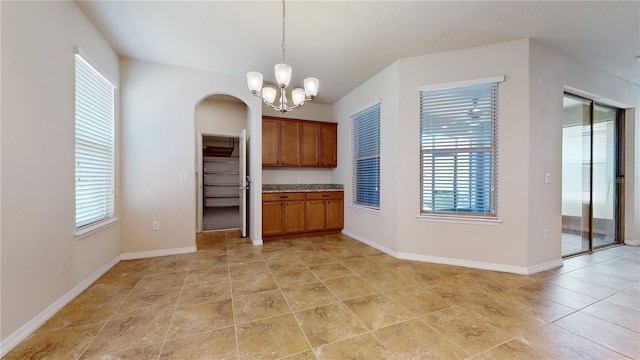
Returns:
(459,149)
(366,157)
(94,145)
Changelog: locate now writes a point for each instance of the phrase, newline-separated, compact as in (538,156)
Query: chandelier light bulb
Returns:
(311,87)
(269,94)
(298,96)
(283,74)
(254,81)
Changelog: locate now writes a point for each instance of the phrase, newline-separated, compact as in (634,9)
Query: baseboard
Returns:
(256,242)
(544,266)
(25,330)
(156,253)
(635,242)
(373,244)
(528,270)
(464,263)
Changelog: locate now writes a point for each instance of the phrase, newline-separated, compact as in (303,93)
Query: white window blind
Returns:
(366,157)
(94,145)
(459,150)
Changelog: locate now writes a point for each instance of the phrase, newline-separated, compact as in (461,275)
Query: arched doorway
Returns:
(220,129)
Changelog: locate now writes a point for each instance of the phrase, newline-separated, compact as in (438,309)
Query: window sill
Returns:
(365,209)
(460,219)
(89,230)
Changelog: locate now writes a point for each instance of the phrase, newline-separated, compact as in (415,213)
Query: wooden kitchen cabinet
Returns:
(289,143)
(282,213)
(280,142)
(325,210)
(270,142)
(329,144)
(319,144)
(272,218)
(295,143)
(335,214)
(310,143)
(302,214)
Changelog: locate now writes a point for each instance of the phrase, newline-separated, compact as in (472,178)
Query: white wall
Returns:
(551,73)
(472,242)
(309,111)
(41,259)
(397,86)
(158,142)
(376,227)
(530,124)
(216,115)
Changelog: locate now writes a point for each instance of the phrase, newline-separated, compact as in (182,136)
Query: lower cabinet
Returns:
(325,211)
(302,213)
(282,213)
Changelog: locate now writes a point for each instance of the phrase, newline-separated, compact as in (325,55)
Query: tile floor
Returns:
(332,297)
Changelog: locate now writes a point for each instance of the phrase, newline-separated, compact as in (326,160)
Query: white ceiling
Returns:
(343,43)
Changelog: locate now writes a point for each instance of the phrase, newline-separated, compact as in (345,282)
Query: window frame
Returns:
(102,124)
(470,215)
(357,200)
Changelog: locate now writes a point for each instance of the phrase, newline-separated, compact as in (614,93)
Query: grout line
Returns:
(115,311)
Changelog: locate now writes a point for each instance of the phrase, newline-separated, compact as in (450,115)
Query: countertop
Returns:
(276,188)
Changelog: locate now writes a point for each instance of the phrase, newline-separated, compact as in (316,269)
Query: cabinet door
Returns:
(335,214)
(294,216)
(289,143)
(329,147)
(272,218)
(270,140)
(316,215)
(310,141)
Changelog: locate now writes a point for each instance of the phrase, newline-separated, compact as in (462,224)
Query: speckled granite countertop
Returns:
(275,188)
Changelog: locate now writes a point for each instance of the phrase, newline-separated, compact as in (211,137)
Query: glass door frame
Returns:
(619,174)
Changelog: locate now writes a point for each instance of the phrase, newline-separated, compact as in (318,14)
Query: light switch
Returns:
(547,178)
(183,176)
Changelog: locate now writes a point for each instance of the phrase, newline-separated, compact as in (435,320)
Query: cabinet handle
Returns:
(284,197)
(326,195)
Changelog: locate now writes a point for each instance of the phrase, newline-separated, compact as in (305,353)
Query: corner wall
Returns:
(158,143)
(552,73)
(42,262)
(376,228)
(530,131)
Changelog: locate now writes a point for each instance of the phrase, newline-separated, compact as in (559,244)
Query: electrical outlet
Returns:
(156,225)
(547,178)
(545,234)
(183,176)
(298,179)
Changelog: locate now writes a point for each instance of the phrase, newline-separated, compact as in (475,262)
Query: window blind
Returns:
(94,144)
(366,157)
(459,150)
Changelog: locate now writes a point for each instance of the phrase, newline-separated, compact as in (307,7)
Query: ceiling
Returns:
(343,43)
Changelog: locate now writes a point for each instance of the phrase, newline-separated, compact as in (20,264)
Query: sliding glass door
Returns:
(591,173)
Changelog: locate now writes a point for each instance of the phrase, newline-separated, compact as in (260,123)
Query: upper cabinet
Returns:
(329,144)
(295,143)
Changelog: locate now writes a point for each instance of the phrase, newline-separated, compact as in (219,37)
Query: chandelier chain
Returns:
(283,47)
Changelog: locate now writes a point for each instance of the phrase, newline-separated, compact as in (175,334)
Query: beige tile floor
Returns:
(332,297)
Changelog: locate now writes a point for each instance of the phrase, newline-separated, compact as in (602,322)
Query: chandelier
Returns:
(283,76)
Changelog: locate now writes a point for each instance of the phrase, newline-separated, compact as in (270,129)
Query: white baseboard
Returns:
(635,242)
(373,244)
(256,242)
(25,330)
(528,270)
(156,253)
(544,266)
